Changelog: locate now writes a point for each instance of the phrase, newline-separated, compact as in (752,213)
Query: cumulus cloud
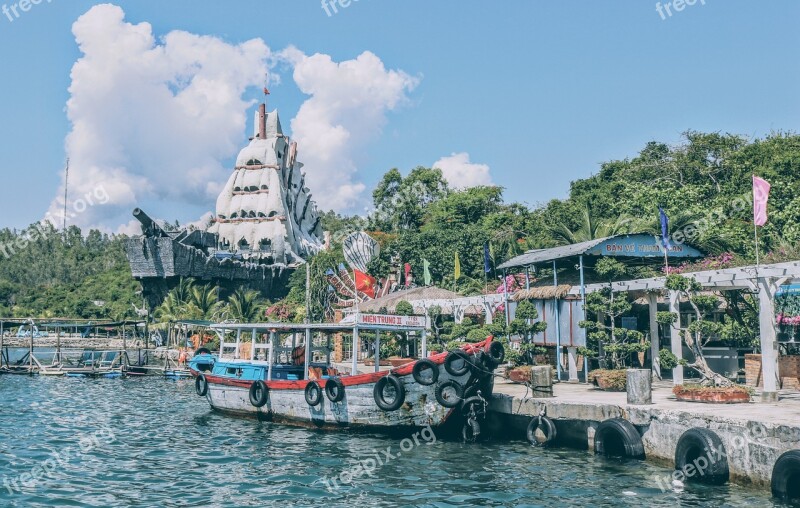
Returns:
(347,107)
(152,119)
(460,173)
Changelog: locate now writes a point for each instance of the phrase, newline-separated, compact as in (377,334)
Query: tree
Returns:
(525,325)
(614,345)
(245,306)
(701,331)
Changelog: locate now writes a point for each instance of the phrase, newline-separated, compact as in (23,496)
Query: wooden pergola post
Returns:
(676,344)
(769,344)
(655,339)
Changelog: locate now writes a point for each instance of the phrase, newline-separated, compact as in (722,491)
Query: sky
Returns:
(151,100)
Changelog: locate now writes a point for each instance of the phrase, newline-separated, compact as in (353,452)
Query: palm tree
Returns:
(591,228)
(204,302)
(175,305)
(245,305)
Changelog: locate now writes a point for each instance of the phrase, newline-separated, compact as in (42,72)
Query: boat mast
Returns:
(66,194)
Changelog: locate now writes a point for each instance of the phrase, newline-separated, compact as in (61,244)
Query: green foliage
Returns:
(667,360)
(404,308)
(666,318)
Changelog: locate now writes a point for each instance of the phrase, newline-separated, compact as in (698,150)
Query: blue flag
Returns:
(487,261)
(664,228)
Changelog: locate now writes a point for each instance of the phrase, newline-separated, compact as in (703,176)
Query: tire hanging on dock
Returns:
(471,430)
(546,426)
(259,393)
(452,367)
(334,389)
(496,353)
(313,394)
(618,438)
(420,366)
(201,385)
(704,452)
(785,482)
(449,401)
(399,393)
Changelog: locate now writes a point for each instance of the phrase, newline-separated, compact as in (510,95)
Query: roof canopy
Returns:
(621,246)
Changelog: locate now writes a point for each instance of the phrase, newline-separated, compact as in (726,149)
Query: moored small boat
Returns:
(426,392)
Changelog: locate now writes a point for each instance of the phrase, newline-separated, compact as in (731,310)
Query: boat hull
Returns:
(286,401)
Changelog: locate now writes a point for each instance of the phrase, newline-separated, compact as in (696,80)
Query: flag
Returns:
(266,92)
(365,283)
(664,228)
(760,196)
(458,267)
(407,268)
(487,260)
(426,272)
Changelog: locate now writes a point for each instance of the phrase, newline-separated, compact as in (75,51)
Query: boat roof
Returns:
(320,327)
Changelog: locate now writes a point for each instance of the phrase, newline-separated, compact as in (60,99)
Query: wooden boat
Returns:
(427,392)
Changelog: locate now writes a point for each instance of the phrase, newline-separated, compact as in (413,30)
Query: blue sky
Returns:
(541,92)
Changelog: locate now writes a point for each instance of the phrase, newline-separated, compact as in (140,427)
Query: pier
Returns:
(754,435)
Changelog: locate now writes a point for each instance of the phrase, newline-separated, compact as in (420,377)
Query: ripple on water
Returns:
(170,450)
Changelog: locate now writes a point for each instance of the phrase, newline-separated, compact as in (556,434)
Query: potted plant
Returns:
(615,345)
(713,387)
(525,326)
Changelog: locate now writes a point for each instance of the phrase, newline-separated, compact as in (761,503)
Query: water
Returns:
(152,442)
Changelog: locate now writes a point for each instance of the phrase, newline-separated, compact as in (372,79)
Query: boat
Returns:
(292,383)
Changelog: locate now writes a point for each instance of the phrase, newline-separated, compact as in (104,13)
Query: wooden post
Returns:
(377,350)
(639,386)
(769,346)
(354,370)
(309,351)
(655,340)
(676,343)
(542,381)
(424,352)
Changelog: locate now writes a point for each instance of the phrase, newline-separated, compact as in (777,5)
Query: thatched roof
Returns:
(542,293)
(391,300)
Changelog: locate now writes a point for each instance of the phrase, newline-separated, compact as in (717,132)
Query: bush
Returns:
(612,379)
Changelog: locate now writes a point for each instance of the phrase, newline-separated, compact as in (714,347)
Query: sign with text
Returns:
(642,246)
(391,320)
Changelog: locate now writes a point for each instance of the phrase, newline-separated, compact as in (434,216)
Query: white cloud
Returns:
(152,119)
(347,108)
(460,173)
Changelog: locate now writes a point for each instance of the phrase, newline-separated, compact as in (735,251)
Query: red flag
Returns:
(365,283)
(408,271)
(760,196)
(266,92)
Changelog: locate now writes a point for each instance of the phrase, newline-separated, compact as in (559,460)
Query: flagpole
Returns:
(755,233)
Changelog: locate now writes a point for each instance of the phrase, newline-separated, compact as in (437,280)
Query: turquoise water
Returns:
(152,442)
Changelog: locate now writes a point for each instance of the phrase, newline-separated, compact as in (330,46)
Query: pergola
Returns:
(641,248)
(764,280)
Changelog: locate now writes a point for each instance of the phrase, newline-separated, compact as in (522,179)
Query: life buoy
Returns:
(547,429)
(399,393)
(299,355)
(201,385)
(259,393)
(451,364)
(422,365)
(786,476)
(704,452)
(449,400)
(313,394)
(618,438)
(334,389)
